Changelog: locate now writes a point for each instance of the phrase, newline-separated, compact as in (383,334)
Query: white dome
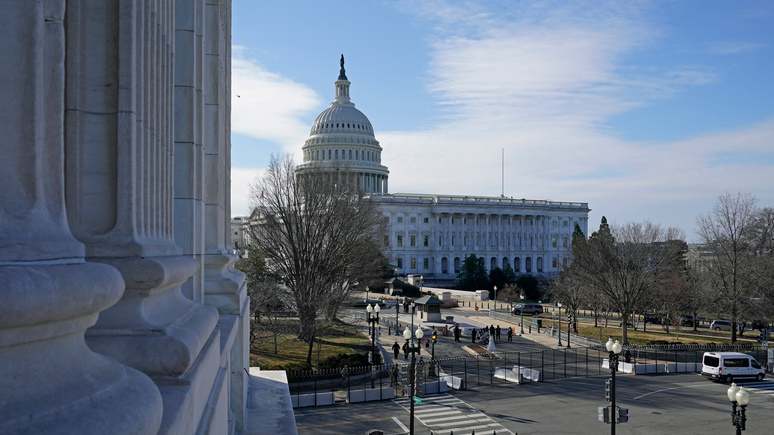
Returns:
(342,119)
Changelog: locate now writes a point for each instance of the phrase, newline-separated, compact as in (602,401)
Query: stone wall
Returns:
(121,312)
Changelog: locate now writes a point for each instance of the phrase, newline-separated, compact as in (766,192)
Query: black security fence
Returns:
(473,371)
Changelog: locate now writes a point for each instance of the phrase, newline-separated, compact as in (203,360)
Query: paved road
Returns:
(661,404)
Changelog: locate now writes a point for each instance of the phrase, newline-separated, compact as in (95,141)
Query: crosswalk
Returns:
(445,414)
(765,386)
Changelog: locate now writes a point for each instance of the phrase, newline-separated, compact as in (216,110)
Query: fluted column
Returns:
(120,124)
(51,381)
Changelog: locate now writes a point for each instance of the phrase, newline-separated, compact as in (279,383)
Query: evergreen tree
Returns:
(472,274)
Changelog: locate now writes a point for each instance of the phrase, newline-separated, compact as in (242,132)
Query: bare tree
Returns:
(570,291)
(727,232)
(321,236)
(625,263)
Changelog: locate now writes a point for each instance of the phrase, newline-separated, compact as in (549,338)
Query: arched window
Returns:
(337,154)
(528,264)
(505,263)
(457,265)
(493,263)
(444,265)
(516,264)
(540,264)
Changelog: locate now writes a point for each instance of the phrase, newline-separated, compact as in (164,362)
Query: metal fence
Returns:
(480,371)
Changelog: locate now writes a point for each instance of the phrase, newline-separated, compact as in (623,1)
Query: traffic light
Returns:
(622,415)
(434,338)
(762,336)
(604,413)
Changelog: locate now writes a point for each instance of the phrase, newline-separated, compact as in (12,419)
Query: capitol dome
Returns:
(342,137)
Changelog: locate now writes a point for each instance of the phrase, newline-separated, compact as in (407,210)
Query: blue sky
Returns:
(643,109)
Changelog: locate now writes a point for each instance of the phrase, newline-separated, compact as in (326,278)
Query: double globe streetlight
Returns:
(738,396)
(372,322)
(413,350)
(614,350)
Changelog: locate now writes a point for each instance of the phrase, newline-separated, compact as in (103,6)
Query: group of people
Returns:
(482,335)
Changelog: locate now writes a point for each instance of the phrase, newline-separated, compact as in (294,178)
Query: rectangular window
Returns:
(400,219)
(439,220)
(413,220)
(400,263)
(427,220)
(400,241)
(440,240)
(386,240)
(554,223)
(413,263)
(464,221)
(553,242)
(452,240)
(553,263)
(425,240)
(413,241)
(564,242)
(426,263)
(566,223)
(350,154)
(329,154)
(452,220)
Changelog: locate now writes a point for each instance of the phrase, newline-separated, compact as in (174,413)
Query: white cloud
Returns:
(241,180)
(266,105)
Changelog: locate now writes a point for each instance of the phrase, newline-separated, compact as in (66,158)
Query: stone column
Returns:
(51,382)
(120,174)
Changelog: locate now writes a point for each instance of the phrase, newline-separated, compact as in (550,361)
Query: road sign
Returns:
(476,307)
(417,400)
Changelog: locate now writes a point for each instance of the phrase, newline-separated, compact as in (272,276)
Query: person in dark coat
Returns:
(474,335)
(396,349)
(405,350)
(497,333)
(457,333)
(510,334)
(492,330)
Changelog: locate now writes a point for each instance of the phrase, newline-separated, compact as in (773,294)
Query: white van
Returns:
(729,366)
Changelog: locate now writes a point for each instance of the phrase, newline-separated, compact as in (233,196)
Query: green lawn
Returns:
(340,338)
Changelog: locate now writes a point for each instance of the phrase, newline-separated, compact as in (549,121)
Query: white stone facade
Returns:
(120,311)
(432,234)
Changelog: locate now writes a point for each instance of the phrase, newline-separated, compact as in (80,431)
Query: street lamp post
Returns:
(521,314)
(397,313)
(738,396)
(372,322)
(567,309)
(560,324)
(614,350)
(495,290)
(408,334)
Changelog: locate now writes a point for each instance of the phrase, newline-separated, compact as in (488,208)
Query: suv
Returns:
(686,320)
(652,318)
(721,325)
(759,324)
(528,309)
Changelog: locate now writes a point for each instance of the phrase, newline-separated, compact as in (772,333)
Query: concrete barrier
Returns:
(455,382)
(370,394)
(306,400)
(508,375)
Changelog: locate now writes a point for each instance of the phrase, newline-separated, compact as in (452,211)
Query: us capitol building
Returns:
(431,234)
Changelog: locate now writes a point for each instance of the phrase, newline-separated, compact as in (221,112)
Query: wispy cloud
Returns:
(734,47)
(266,105)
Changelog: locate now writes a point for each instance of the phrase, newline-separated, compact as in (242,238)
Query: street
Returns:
(658,404)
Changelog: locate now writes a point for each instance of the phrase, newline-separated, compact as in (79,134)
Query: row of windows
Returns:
(493,264)
(320,127)
(370,156)
(493,240)
(478,221)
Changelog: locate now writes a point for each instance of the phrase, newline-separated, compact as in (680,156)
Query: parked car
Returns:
(759,324)
(721,325)
(727,366)
(686,320)
(528,309)
(652,318)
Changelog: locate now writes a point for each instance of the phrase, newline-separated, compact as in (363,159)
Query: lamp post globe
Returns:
(742,396)
(419,333)
(521,314)
(739,398)
(407,333)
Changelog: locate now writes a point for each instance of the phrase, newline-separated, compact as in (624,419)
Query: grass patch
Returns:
(291,353)
(639,337)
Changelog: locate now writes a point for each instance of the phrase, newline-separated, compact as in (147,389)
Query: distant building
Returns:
(431,234)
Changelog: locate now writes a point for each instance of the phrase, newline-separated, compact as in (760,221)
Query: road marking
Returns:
(343,422)
(405,429)
(445,414)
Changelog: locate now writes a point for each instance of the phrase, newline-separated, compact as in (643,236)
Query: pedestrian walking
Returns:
(492,330)
(497,333)
(474,335)
(396,349)
(510,334)
(457,333)
(405,350)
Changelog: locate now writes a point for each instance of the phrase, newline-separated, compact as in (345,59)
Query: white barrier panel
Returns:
(528,373)
(508,375)
(681,367)
(436,387)
(455,382)
(370,395)
(305,400)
